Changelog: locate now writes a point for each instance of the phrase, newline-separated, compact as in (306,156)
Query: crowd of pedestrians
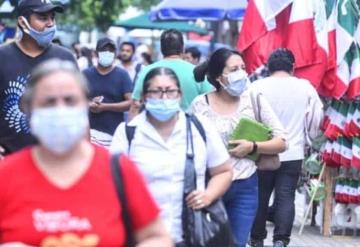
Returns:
(77,170)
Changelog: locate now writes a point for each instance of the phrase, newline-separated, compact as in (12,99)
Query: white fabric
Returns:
(131,70)
(163,163)
(225,125)
(100,138)
(299,108)
(83,63)
(270,9)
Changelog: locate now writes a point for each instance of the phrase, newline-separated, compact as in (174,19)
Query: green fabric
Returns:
(143,21)
(184,71)
(251,130)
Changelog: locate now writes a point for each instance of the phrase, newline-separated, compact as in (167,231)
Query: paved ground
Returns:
(311,236)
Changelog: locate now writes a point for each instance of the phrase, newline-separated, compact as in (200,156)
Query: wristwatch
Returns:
(254,149)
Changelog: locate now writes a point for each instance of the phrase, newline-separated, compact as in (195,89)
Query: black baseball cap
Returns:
(38,6)
(102,43)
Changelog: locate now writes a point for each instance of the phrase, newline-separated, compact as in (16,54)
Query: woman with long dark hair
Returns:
(231,101)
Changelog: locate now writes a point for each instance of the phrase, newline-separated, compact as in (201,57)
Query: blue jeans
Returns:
(283,181)
(241,202)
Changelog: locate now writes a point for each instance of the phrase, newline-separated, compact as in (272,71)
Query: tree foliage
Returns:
(100,13)
(142,4)
(93,13)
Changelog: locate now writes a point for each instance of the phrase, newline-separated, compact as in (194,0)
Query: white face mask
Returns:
(106,58)
(237,83)
(59,128)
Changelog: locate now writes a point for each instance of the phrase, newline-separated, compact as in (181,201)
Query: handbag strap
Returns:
(255,102)
(120,190)
(190,172)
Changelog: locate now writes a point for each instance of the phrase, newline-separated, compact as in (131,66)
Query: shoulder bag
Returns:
(119,185)
(266,162)
(208,227)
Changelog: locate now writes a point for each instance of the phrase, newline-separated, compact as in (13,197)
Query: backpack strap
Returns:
(130,133)
(130,130)
(118,180)
(207,99)
(198,125)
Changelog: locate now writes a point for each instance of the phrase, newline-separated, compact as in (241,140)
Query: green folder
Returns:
(251,130)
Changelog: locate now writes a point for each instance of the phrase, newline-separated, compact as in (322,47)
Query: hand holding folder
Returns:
(251,130)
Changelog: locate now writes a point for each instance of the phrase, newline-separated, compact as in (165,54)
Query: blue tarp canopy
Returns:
(208,10)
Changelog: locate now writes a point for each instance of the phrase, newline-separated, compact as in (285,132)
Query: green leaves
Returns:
(92,13)
(100,14)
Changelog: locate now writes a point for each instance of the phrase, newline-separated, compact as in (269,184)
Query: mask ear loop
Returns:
(27,30)
(221,83)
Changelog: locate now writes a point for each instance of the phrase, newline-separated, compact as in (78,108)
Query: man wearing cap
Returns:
(110,89)
(36,21)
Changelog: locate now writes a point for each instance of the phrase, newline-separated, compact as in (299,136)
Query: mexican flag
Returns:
(262,30)
(272,24)
(355,121)
(355,161)
(310,50)
(350,113)
(336,154)
(328,115)
(353,57)
(327,153)
(346,152)
(348,63)
(328,82)
(337,120)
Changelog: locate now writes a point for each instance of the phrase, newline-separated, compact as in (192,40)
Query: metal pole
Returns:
(312,199)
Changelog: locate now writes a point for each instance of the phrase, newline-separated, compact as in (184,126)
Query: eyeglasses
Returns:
(158,93)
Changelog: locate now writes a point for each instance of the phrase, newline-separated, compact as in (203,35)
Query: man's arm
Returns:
(122,106)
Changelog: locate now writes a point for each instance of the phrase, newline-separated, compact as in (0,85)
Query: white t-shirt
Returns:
(131,70)
(299,108)
(163,163)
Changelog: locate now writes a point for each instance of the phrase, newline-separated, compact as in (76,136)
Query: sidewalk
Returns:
(311,236)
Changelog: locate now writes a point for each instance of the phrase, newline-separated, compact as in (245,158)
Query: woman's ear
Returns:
(220,79)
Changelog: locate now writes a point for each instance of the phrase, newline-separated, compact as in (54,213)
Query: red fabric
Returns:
(255,42)
(354,88)
(355,162)
(35,211)
(330,79)
(309,56)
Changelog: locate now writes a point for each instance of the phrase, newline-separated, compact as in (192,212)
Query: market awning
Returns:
(213,10)
(6,8)
(143,22)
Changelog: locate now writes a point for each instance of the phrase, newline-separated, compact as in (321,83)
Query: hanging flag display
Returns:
(328,55)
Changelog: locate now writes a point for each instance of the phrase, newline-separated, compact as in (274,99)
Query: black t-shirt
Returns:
(15,68)
(112,86)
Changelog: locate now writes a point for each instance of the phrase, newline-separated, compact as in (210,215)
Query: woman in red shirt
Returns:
(60,192)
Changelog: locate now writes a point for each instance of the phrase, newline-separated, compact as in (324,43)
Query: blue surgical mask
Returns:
(43,38)
(106,58)
(162,109)
(59,129)
(237,83)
